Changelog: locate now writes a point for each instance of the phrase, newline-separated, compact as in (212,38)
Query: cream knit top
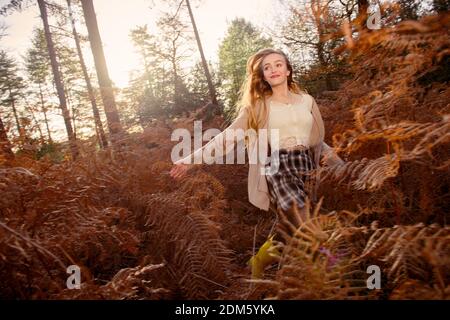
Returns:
(294,122)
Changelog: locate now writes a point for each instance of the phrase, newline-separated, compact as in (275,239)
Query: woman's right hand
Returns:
(179,170)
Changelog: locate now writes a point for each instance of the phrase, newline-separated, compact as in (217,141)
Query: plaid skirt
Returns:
(292,180)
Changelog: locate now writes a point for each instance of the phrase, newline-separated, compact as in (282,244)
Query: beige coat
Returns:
(258,192)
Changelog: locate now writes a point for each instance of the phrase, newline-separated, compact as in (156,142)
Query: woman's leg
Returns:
(289,221)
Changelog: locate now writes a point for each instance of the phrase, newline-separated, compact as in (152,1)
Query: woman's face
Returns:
(275,69)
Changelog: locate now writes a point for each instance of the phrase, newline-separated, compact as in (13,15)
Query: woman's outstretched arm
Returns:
(219,142)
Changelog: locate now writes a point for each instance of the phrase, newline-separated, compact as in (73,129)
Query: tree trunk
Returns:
(58,81)
(104,81)
(361,20)
(44,111)
(323,64)
(98,123)
(41,135)
(175,78)
(16,117)
(212,90)
(5,145)
(31,110)
(72,117)
(318,11)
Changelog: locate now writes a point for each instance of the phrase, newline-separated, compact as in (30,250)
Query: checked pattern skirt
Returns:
(293,178)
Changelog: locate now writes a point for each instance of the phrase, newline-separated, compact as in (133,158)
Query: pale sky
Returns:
(117,17)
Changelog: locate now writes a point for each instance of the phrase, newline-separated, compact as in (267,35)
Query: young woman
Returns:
(271,100)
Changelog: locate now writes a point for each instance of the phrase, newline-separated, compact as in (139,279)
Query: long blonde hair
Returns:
(255,89)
